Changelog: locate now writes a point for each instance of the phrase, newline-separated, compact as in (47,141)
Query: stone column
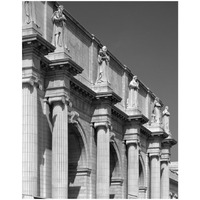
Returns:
(155,176)
(164,180)
(30,138)
(59,148)
(103,160)
(133,169)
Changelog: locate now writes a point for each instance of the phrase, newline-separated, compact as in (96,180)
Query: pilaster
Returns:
(59,147)
(103,159)
(30,137)
(155,175)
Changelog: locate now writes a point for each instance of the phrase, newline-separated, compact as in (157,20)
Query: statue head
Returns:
(104,49)
(135,78)
(60,8)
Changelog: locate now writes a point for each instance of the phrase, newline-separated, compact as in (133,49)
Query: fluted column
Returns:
(164,180)
(155,176)
(103,160)
(133,169)
(30,138)
(59,148)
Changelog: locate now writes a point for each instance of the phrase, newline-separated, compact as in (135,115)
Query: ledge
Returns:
(71,66)
(85,91)
(119,113)
(138,117)
(114,98)
(38,42)
(116,181)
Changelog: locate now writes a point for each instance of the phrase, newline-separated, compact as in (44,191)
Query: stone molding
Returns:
(107,124)
(151,154)
(116,181)
(37,43)
(81,89)
(66,64)
(33,81)
(80,171)
(61,99)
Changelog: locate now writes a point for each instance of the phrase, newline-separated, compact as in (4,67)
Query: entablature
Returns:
(36,42)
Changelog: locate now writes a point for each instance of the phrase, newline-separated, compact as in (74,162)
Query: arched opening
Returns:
(142,187)
(115,173)
(77,158)
(141,174)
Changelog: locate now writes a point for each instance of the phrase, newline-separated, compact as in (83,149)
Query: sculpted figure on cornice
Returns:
(156,113)
(132,101)
(103,60)
(165,116)
(29,12)
(58,19)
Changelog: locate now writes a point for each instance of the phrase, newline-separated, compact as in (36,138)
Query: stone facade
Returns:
(91,129)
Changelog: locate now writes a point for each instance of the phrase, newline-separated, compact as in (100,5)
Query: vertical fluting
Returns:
(30,140)
(164,180)
(60,151)
(155,177)
(103,162)
(133,171)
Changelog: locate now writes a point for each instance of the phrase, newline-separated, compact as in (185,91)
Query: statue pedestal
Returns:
(31,28)
(133,111)
(59,53)
(102,87)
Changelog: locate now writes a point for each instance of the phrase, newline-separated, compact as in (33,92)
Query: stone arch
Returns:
(142,178)
(115,171)
(78,161)
(141,172)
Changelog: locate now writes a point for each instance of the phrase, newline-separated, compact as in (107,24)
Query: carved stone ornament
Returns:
(58,19)
(156,113)
(103,60)
(29,12)
(72,115)
(33,81)
(165,119)
(132,101)
(134,83)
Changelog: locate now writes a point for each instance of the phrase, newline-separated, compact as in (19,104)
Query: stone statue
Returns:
(165,118)
(103,60)
(134,83)
(72,115)
(29,12)
(132,101)
(156,113)
(58,19)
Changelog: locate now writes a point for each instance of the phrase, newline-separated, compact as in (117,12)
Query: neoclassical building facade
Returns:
(91,128)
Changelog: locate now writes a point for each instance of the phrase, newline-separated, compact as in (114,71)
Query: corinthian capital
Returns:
(33,81)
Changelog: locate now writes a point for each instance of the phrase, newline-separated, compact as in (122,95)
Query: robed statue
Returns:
(58,19)
(103,60)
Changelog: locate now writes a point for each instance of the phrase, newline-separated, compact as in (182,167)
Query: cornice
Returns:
(112,96)
(169,141)
(119,113)
(145,131)
(138,118)
(82,89)
(35,41)
(67,64)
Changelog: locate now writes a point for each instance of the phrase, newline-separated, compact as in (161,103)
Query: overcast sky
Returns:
(143,36)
